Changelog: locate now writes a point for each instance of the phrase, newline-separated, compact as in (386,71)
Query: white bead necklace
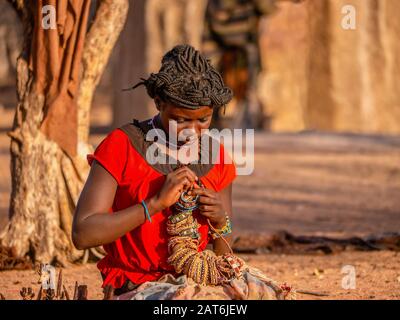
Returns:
(167,143)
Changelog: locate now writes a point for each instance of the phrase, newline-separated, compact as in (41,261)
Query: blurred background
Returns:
(313,74)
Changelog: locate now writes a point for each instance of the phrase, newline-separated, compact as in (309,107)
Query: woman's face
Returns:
(194,120)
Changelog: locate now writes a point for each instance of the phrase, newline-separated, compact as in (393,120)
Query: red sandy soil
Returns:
(334,185)
(377,275)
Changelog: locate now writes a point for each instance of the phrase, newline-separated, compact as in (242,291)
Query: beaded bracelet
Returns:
(225,230)
(146,210)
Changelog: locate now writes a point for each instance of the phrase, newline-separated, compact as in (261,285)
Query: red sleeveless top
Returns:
(141,255)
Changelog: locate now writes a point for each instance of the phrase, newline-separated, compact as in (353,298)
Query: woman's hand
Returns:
(175,183)
(211,206)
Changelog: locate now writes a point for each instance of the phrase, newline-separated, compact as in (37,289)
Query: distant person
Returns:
(231,41)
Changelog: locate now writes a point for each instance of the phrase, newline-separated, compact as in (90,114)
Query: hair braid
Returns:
(187,79)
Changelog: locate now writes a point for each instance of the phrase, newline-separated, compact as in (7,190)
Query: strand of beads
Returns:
(203,267)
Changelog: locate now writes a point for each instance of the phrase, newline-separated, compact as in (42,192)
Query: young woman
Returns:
(128,200)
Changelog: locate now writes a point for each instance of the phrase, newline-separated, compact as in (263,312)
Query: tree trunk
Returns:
(104,32)
(46,180)
(319,113)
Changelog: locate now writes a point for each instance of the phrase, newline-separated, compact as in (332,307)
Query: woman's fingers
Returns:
(214,216)
(207,214)
(187,170)
(183,183)
(208,200)
(187,173)
(203,192)
(208,208)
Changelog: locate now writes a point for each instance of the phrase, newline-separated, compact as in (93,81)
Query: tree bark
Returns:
(319,113)
(46,181)
(104,32)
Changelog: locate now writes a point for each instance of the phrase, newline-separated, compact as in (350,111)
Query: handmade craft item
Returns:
(203,267)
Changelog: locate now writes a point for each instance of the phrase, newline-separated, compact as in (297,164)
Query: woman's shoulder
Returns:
(116,135)
(115,139)
(116,154)
(136,129)
(132,133)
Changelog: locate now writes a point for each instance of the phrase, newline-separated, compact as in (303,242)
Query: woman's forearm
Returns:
(102,228)
(220,247)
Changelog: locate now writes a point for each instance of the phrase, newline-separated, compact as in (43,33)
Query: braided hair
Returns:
(187,79)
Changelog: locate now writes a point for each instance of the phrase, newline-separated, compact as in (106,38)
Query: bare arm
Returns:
(93,225)
(219,245)
(213,206)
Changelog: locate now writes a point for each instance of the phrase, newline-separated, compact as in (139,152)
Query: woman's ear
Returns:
(157,101)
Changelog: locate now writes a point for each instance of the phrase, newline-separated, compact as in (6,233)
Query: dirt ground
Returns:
(377,275)
(336,185)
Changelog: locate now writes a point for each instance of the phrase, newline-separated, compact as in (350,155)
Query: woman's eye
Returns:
(203,119)
(180,120)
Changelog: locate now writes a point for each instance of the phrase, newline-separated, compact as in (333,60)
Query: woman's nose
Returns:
(191,132)
(192,127)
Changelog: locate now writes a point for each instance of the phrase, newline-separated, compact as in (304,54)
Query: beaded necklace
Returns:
(203,267)
(165,146)
(167,143)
